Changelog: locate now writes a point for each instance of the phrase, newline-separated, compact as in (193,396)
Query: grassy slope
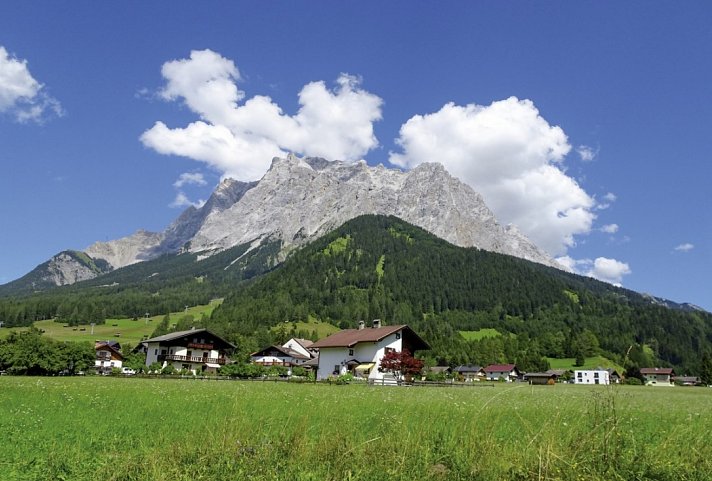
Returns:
(480,334)
(71,428)
(323,329)
(130,331)
(591,363)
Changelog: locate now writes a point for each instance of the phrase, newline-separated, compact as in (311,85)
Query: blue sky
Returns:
(587,124)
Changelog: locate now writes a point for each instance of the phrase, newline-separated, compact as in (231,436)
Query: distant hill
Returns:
(382,267)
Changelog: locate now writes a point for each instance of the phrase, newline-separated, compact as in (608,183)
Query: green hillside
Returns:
(381,267)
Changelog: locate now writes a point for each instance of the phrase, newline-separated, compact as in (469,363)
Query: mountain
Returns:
(382,267)
(65,268)
(299,200)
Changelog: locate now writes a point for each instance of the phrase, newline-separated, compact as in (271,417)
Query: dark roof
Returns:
(351,337)
(656,370)
(439,369)
(546,374)
(462,369)
(305,343)
(284,350)
(688,379)
(180,334)
(501,368)
(100,345)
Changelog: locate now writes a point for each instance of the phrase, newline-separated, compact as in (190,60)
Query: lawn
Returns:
(122,330)
(480,334)
(157,429)
(591,363)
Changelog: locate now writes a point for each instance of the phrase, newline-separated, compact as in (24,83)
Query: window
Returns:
(351,352)
(337,368)
(389,349)
(398,335)
(189,354)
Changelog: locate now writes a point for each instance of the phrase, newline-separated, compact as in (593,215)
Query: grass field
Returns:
(480,334)
(591,363)
(128,330)
(154,429)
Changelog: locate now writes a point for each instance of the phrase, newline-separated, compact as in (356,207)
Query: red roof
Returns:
(656,370)
(500,368)
(351,337)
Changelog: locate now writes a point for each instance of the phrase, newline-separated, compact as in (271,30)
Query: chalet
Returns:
(197,350)
(614,375)
(506,372)
(687,381)
(545,378)
(657,376)
(470,373)
(359,351)
(592,376)
(108,356)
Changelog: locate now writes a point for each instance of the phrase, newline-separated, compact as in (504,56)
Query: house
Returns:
(197,350)
(359,351)
(507,372)
(687,380)
(592,376)
(614,375)
(657,376)
(293,353)
(108,356)
(547,377)
(470,373)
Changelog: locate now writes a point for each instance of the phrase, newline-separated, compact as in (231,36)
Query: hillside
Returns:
(381,267)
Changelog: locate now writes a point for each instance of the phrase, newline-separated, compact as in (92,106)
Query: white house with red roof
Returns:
(507,372)
(658,376)
(359,351)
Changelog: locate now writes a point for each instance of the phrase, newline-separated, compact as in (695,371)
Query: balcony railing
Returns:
(198,359)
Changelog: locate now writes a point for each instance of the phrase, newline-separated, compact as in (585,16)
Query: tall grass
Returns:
(141,429)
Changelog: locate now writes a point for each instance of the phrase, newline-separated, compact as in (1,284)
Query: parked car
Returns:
(128,371)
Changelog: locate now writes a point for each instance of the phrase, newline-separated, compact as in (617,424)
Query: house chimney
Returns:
(376,323)
(361,325)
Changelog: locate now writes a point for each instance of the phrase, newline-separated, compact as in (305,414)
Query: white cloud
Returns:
(610,228)
(608,199)
(686,247)
(609,270)
(21,96)
(188,178)
(182,200)
(240,140)
(586,153)
(513,157)
(602,268)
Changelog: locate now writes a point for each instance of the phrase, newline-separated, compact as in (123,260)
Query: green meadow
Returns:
(170,429)
(122,330)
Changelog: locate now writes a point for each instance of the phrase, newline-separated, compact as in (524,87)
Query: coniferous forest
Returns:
(381,267)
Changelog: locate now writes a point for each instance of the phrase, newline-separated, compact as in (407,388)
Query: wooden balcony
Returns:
(197,359)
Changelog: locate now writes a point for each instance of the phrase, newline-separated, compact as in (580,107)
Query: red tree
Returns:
(400,364)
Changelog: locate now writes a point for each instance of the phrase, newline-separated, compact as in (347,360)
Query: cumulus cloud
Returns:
(21,96)
(182,200)
(586,153)
(608,199)
(686,247)
(239,139)
(602,268)
(610,228)
(513,157)
(190,178)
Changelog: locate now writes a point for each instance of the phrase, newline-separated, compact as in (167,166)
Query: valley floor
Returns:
(139,429)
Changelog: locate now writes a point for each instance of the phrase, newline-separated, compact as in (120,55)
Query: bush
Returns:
(633,381)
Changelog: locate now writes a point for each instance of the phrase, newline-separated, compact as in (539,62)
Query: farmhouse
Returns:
(541,378)
(470,373)
(359,351)
(295,352)
(657,376)
(197,350)
(108,356)
(506,372)
(592,376)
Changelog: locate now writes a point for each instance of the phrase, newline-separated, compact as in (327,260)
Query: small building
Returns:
(545,378)
(687,381)
(470,373)
(359,351)
(108,356)
(506,372)
(658,376)
(591,376)
(279,356)
(614,375)
(197,350)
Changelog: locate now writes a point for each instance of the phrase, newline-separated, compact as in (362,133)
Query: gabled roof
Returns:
(305,343)
(546,374)
(103,346)
(180,334)
(351,337)
(657,370)
(283,350)
(501,368)
(462,369)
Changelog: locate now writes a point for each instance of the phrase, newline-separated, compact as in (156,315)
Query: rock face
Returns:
(66,268)
(299,200)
